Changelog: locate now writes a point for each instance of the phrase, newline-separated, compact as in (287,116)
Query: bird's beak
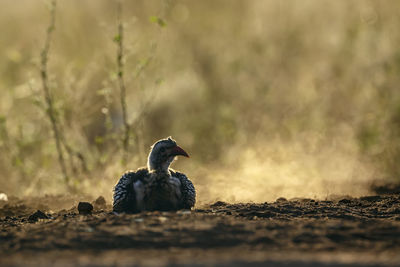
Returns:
(178,151)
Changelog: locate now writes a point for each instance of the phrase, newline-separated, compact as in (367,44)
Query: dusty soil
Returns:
(299,232)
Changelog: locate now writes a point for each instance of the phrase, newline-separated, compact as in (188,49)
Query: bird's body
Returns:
(156,187)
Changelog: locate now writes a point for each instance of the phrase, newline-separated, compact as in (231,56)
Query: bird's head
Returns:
(162,153)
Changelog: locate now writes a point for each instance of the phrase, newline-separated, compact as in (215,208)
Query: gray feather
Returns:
(187,190)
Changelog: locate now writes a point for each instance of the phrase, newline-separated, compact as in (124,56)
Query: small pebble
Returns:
(3,197)
(85,208)
(37,215)
(100,203)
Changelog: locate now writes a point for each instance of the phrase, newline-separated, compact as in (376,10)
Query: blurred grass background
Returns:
(270,98)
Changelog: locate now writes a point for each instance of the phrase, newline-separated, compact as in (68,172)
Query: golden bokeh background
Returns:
(270,98)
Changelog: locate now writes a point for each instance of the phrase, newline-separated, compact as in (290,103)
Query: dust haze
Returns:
(278,170)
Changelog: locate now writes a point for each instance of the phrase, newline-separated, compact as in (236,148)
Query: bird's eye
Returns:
(162,149)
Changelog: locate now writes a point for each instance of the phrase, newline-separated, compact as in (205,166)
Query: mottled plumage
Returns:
(156,187)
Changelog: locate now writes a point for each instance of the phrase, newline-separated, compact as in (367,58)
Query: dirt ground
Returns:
(298,232)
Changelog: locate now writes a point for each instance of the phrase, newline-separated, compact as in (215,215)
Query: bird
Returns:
(157,186)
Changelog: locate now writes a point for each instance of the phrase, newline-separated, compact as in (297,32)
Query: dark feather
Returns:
(124,193)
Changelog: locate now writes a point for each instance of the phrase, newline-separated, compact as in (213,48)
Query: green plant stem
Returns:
(45,85)
(121,83)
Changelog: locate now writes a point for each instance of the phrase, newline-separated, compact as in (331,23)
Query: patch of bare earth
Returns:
(299,232)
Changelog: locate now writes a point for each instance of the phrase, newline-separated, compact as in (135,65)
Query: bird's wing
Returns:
(127,191)
(188,191)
